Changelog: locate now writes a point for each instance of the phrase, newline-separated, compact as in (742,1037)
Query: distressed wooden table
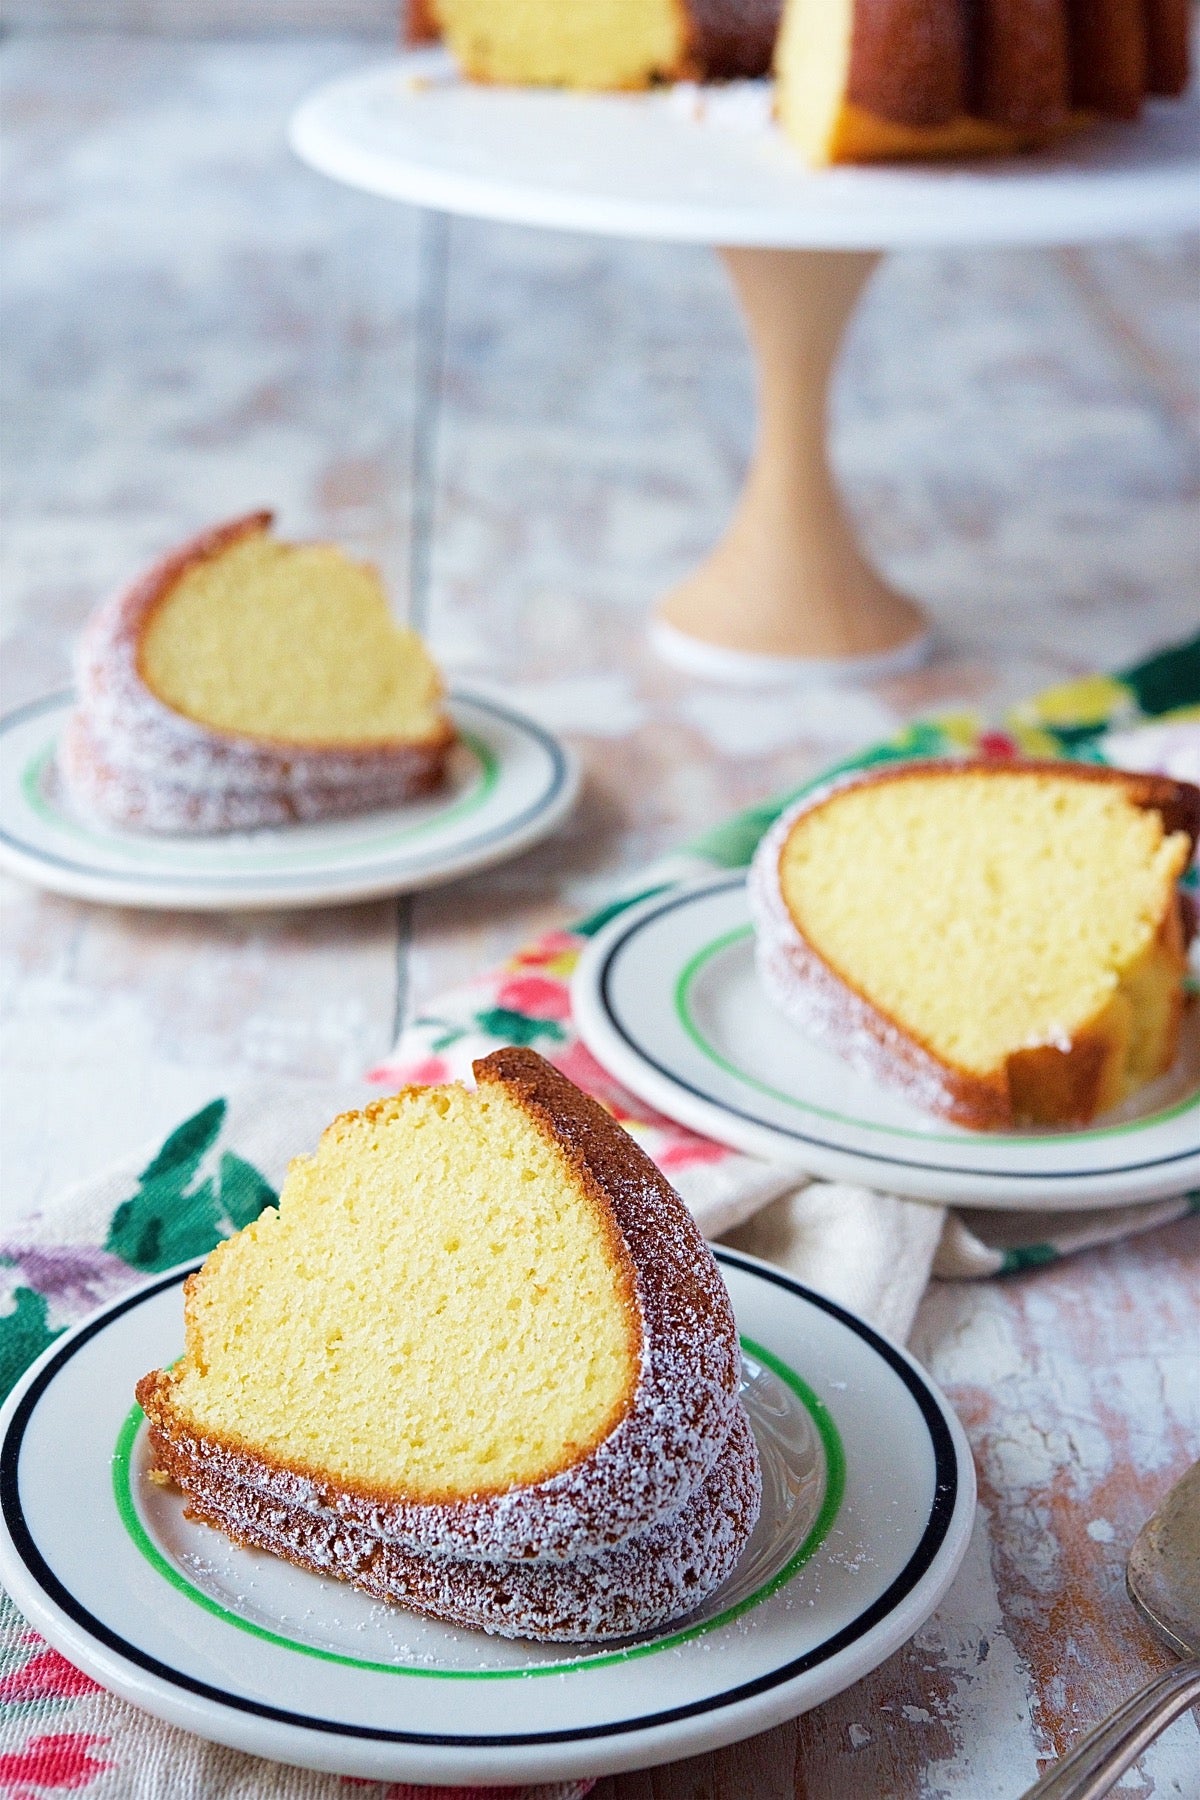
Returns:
(535,435)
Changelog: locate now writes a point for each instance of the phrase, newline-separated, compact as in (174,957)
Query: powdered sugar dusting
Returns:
(662,1573)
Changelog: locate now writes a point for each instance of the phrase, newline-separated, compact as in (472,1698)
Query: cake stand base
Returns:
(748,669)
(787,584)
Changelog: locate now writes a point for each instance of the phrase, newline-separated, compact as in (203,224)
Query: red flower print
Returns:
(997,744)
(690,1150)
(547,949)
(578,1064)
(62,1760)
(536,996)
(426,1073)
(47,1676)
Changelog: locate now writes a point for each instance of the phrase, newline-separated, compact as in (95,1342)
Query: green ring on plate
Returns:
(683,1008)
(835,1485)
(33,790)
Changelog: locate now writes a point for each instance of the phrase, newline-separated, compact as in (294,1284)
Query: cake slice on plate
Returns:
(480,1362)
(244,682)
(1005,944)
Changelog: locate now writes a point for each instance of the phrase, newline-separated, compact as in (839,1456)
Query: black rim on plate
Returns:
(945,1498)
(183,879)
(657,909)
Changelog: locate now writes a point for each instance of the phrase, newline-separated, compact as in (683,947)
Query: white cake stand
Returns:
(786,594)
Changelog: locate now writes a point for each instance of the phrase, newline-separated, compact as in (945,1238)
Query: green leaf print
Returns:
(244,1192)
(163,1225)
(172,1216)
(24,1334)
(1167,680)
(518,1028)
(185,1149)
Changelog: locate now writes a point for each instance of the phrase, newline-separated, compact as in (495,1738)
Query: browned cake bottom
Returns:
(660,1575)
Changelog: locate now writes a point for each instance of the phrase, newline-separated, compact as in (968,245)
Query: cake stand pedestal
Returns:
(786,595)
(787,581)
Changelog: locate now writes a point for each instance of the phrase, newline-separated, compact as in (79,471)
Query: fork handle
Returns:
(1101,1758)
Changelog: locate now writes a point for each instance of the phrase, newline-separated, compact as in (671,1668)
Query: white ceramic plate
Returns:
(870,1495)
(509,784)
(668,999)
(709,166)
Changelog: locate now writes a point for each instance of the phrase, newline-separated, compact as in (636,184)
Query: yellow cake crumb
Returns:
(290,642)
(990,913)
(439,1308)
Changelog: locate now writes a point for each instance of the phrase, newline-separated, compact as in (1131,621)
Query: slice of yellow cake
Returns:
(604,43)
(246,681)
(1005,943)
(481,1328)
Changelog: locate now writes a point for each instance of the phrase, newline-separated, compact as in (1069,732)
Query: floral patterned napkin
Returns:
(60,1732)
(874,1252)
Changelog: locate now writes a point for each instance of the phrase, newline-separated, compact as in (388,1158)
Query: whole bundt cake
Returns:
(860,80)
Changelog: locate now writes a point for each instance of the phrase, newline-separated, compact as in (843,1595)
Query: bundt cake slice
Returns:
(480,1343)
(603,43)
(1003,943)
(246,682)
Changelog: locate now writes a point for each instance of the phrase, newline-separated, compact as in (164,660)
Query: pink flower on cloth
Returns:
(62,1760)
(688,1151)
(672,1146)
(535,996)
(427,1072)
(46,1676)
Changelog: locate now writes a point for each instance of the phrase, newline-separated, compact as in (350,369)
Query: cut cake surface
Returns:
(605,43)
(244,682)
(481,1327)
(1004,943)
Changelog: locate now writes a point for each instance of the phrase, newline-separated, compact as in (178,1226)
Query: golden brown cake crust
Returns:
(420,23)
(1109,56)
(1046,1085)
(731,40)
(908,60)
(678,1416)
(967,78)
(1021,64)
(1168,45)
(141,765)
